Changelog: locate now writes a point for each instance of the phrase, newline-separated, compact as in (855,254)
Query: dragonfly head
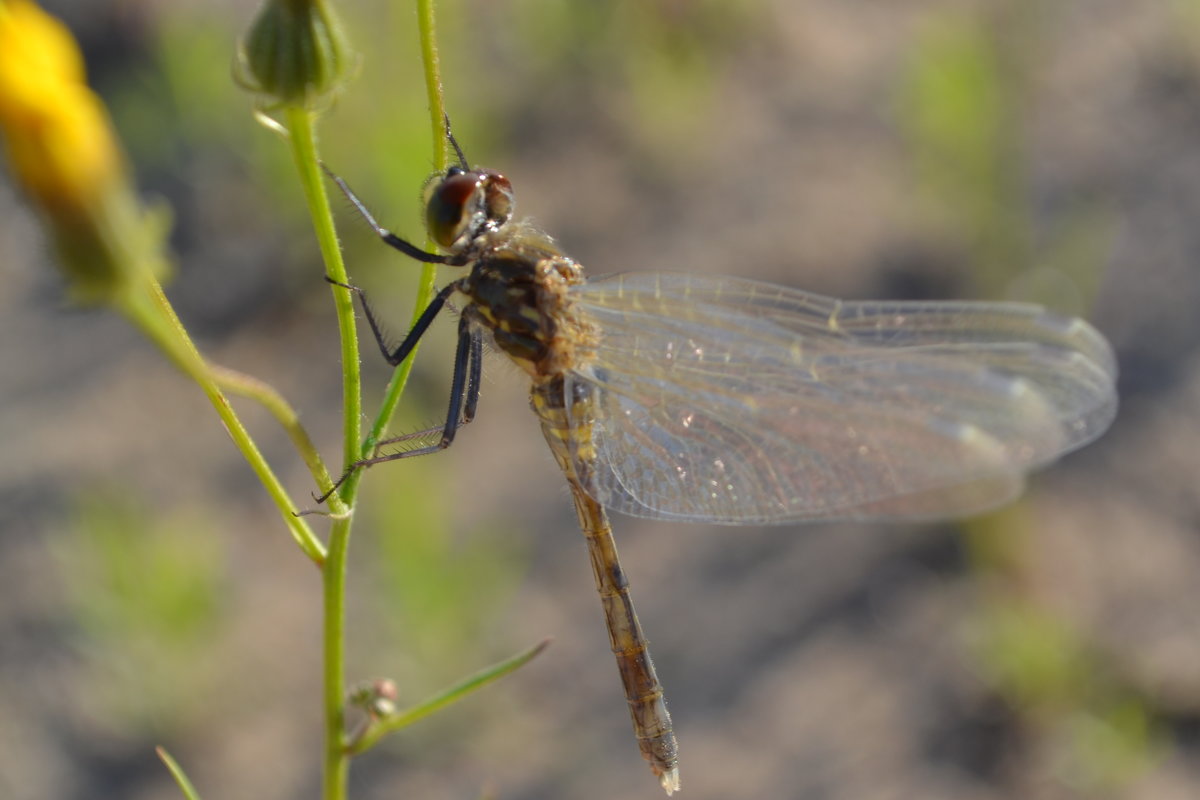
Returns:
(465,203)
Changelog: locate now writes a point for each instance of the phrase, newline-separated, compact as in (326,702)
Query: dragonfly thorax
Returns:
(519,290)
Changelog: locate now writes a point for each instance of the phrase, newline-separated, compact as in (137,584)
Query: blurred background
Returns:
(1044,150)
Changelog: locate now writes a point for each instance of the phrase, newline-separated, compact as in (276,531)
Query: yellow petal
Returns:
(59,139)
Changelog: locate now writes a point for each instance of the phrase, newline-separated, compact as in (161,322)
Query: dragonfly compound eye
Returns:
(498,197)
(456,207)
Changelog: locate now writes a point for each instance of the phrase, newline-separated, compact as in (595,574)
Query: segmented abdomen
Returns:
(644,693)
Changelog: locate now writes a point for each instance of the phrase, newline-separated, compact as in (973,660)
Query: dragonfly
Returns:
(674,396)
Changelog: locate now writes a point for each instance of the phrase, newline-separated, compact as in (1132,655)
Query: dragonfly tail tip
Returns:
(670,781)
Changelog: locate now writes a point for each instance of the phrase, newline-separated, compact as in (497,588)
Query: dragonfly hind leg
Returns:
(464,398)
(464,405)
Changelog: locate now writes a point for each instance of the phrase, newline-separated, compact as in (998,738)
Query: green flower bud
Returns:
(295,52)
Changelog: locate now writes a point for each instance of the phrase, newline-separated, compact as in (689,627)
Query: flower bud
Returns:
(295,51)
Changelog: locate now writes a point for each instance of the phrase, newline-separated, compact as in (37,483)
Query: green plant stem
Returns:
(152,313)
(333,573)
(302,139)
(427,29)
(304,151)
(337,761)
(395,722)
(264,394)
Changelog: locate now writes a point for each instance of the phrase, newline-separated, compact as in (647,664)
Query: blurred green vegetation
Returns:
(652,65)
(435,588)
(144,588)
(1061,685)
(962,105)
(1188,12)
(959,109)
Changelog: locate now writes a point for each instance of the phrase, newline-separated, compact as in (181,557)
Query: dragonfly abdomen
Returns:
(643,691)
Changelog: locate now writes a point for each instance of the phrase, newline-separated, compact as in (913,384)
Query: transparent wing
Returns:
(730,401)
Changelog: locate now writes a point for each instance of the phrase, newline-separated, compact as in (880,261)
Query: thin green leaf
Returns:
(371,736)
(177,773)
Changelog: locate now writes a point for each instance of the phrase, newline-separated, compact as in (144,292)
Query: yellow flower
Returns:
(59,140)
(61,148)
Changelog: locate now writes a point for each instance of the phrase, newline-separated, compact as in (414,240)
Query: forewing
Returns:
(730,401)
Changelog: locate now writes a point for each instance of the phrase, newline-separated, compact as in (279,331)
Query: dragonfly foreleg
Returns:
(408,248)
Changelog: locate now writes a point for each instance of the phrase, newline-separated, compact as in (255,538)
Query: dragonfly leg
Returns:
(408,248)
(473,375)
(474,360)
(397,356)
(474,370)
(464,399)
